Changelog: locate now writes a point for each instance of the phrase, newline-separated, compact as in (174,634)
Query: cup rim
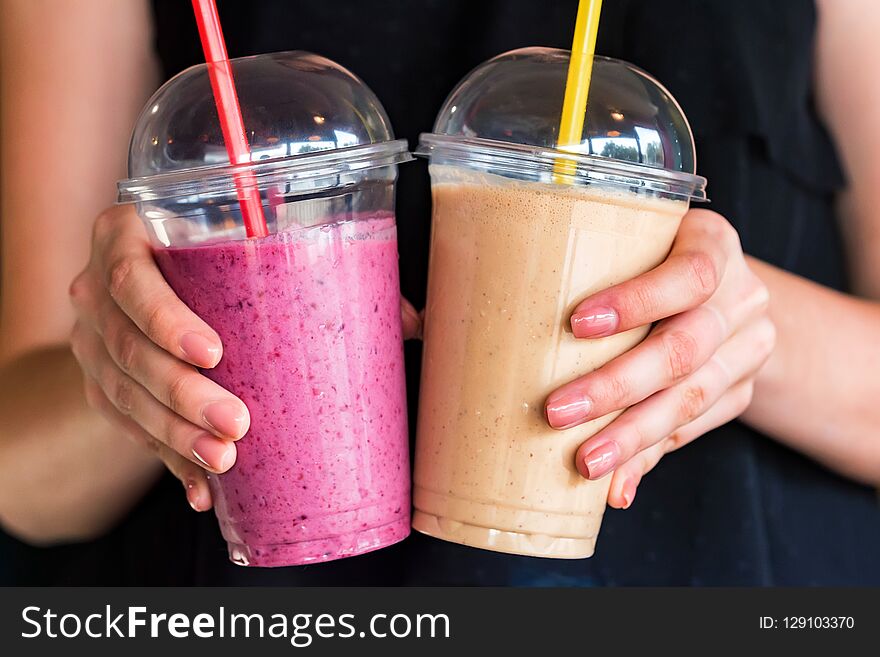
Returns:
(542,162)
(220,178)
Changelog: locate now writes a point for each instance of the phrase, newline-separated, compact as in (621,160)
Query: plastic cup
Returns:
(309,316)
(512,253)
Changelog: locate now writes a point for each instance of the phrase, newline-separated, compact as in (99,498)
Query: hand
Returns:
(411,320)
(139,347)
(695,371)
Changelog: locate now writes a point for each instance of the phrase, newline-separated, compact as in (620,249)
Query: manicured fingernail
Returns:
(199,350)
(628,493)
(567,409)
(594,322)
(227,419)
(214,453)
(192,495)
(601,460)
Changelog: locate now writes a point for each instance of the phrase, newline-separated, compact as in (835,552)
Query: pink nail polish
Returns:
(567,409)
(226,418)
(594,322)
(199,350)
(628,493)
(213,453)
(601,460)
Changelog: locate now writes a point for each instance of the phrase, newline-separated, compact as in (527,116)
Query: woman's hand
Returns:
(139,347)
(695,371)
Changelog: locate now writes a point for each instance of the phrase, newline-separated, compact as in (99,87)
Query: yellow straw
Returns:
(577,85)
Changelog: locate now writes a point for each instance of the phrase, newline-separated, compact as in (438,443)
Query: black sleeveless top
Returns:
(734,507)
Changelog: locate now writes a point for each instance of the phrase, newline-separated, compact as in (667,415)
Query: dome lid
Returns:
(304,116)
(504,116)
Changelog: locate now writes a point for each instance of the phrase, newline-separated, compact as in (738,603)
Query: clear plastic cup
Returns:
(515,246)
(309,316)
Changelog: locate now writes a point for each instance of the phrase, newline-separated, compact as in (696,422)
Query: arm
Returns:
(848,89)
(819,391)
(65,473)
(72,77)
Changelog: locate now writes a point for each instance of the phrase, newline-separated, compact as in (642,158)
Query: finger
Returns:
(133,401)
(687,278)
(673,351)
(628,476)
(731,405)
(193,478)
(136,284)
(662,414)
(412,323)
(172,382)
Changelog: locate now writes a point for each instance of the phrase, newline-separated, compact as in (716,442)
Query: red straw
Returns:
(229,112)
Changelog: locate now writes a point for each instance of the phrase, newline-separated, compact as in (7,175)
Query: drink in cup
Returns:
(309,316)
(514,248)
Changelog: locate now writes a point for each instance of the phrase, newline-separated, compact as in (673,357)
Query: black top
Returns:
(732,508)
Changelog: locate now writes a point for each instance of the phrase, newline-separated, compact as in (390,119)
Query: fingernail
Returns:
(214,453)
(628,493)
(227,419)
(567,409)
(594,323)
(601,460)
(192,495)
(199,350)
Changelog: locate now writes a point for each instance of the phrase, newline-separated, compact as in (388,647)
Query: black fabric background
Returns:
(734,508)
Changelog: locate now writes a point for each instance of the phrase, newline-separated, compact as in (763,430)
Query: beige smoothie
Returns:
(509,261)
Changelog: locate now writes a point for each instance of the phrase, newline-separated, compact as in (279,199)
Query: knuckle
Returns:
(103,223)
(681,350)
(702,274)
(673,441)
(636,302)
(118,276)
(125,349)
(157,321)
(642,302)
(719,227)
(718,231)
(78,290)
(641,439)
(123,395)
(170,432)
(617,392)
(691,404)
(177,391)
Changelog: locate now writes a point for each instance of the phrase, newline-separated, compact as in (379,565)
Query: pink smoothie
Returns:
(310,323)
